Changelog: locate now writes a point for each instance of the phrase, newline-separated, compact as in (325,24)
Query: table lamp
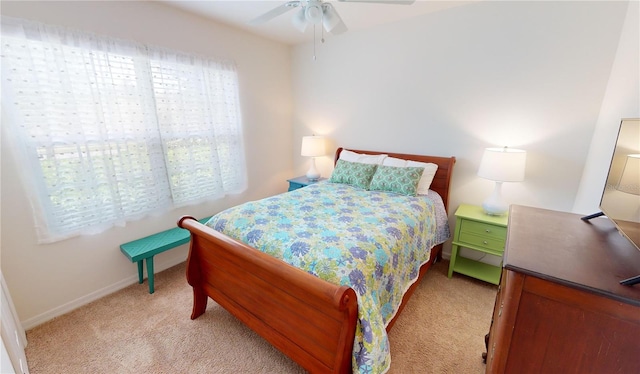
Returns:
(501,165)
(313,146)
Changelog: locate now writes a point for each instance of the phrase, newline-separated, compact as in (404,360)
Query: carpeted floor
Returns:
(441,330)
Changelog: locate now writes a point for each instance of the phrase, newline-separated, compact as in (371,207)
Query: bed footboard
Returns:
(308,319)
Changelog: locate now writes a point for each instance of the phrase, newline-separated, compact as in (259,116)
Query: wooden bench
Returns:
(147,247)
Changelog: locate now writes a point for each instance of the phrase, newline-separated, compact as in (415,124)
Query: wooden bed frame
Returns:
(308,319)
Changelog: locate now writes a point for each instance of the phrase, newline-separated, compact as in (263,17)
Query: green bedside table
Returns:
(300,182)
(480,232)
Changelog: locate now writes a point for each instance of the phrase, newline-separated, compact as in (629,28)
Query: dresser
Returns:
(482,233)
(560,307)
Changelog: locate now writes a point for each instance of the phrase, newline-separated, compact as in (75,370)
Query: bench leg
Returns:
(140,275)
(150,273)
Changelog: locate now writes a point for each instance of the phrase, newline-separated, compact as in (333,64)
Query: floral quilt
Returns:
(374,242)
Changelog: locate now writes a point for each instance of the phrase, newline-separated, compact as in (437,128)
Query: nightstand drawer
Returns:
(484,229)
(493,244)
(295,186)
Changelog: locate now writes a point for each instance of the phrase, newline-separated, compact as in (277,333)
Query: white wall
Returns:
(47,280)
(530,75)
(622,100)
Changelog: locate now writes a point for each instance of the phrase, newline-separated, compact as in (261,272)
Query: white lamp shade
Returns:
(503,164)
(313,146)
(630,178)
(299,20)
(331,18)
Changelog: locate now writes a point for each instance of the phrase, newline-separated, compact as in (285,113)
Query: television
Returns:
(620,200)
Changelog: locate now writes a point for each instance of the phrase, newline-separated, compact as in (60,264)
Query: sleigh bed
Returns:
(314,321)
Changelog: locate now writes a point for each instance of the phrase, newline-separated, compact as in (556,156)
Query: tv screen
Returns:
(621,196)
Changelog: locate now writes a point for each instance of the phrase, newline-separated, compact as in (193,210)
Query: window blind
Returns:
(115,130)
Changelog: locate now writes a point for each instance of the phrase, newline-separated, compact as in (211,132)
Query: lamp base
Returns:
(313,174)
(494,205)
(492,211)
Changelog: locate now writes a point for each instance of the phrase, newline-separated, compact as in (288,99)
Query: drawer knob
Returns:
(485,242)
(487,230)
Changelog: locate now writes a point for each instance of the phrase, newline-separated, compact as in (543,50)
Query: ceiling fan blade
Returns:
(273,13)
(397,2)
(331,20)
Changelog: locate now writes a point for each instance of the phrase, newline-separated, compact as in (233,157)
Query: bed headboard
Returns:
(441,182)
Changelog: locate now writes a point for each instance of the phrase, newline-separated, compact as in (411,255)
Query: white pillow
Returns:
(397,162)
(362,158)
(427,175)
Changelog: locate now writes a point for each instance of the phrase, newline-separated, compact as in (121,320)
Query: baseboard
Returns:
(446,255)
(84,300)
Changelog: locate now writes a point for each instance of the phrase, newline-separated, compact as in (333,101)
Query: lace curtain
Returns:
(109,130)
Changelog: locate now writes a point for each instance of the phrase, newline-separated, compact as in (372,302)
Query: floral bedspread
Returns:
(374,242)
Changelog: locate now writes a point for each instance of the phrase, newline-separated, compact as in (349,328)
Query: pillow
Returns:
(361,158)
(400,180)
(427,175)
(392,161)
(353,173)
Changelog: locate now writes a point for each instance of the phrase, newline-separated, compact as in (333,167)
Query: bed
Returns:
(317,323)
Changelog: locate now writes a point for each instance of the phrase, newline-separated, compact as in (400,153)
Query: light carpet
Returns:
(441,330)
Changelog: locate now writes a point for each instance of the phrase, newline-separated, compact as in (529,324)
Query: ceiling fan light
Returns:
(313,13)
(331,18)
(299,21)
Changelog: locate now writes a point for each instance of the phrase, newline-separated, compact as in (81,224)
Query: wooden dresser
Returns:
(560,308)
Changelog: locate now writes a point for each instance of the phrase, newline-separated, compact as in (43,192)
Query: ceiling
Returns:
(356,15)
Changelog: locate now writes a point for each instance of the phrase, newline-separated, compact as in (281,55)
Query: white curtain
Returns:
(113,130)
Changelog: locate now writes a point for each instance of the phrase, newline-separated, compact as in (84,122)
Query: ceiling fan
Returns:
(316,12)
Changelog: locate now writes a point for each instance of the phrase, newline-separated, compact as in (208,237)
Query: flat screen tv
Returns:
(620,200)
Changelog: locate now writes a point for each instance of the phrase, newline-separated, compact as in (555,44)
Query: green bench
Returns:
(147,247)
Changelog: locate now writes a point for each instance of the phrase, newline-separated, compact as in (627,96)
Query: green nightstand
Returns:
(480,232)
(300,182)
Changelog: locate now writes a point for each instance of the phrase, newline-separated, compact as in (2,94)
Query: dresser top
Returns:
(562,248)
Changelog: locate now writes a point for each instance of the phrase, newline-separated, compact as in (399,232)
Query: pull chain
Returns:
(314,42)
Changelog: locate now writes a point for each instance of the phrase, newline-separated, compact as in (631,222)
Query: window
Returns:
(112,130)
